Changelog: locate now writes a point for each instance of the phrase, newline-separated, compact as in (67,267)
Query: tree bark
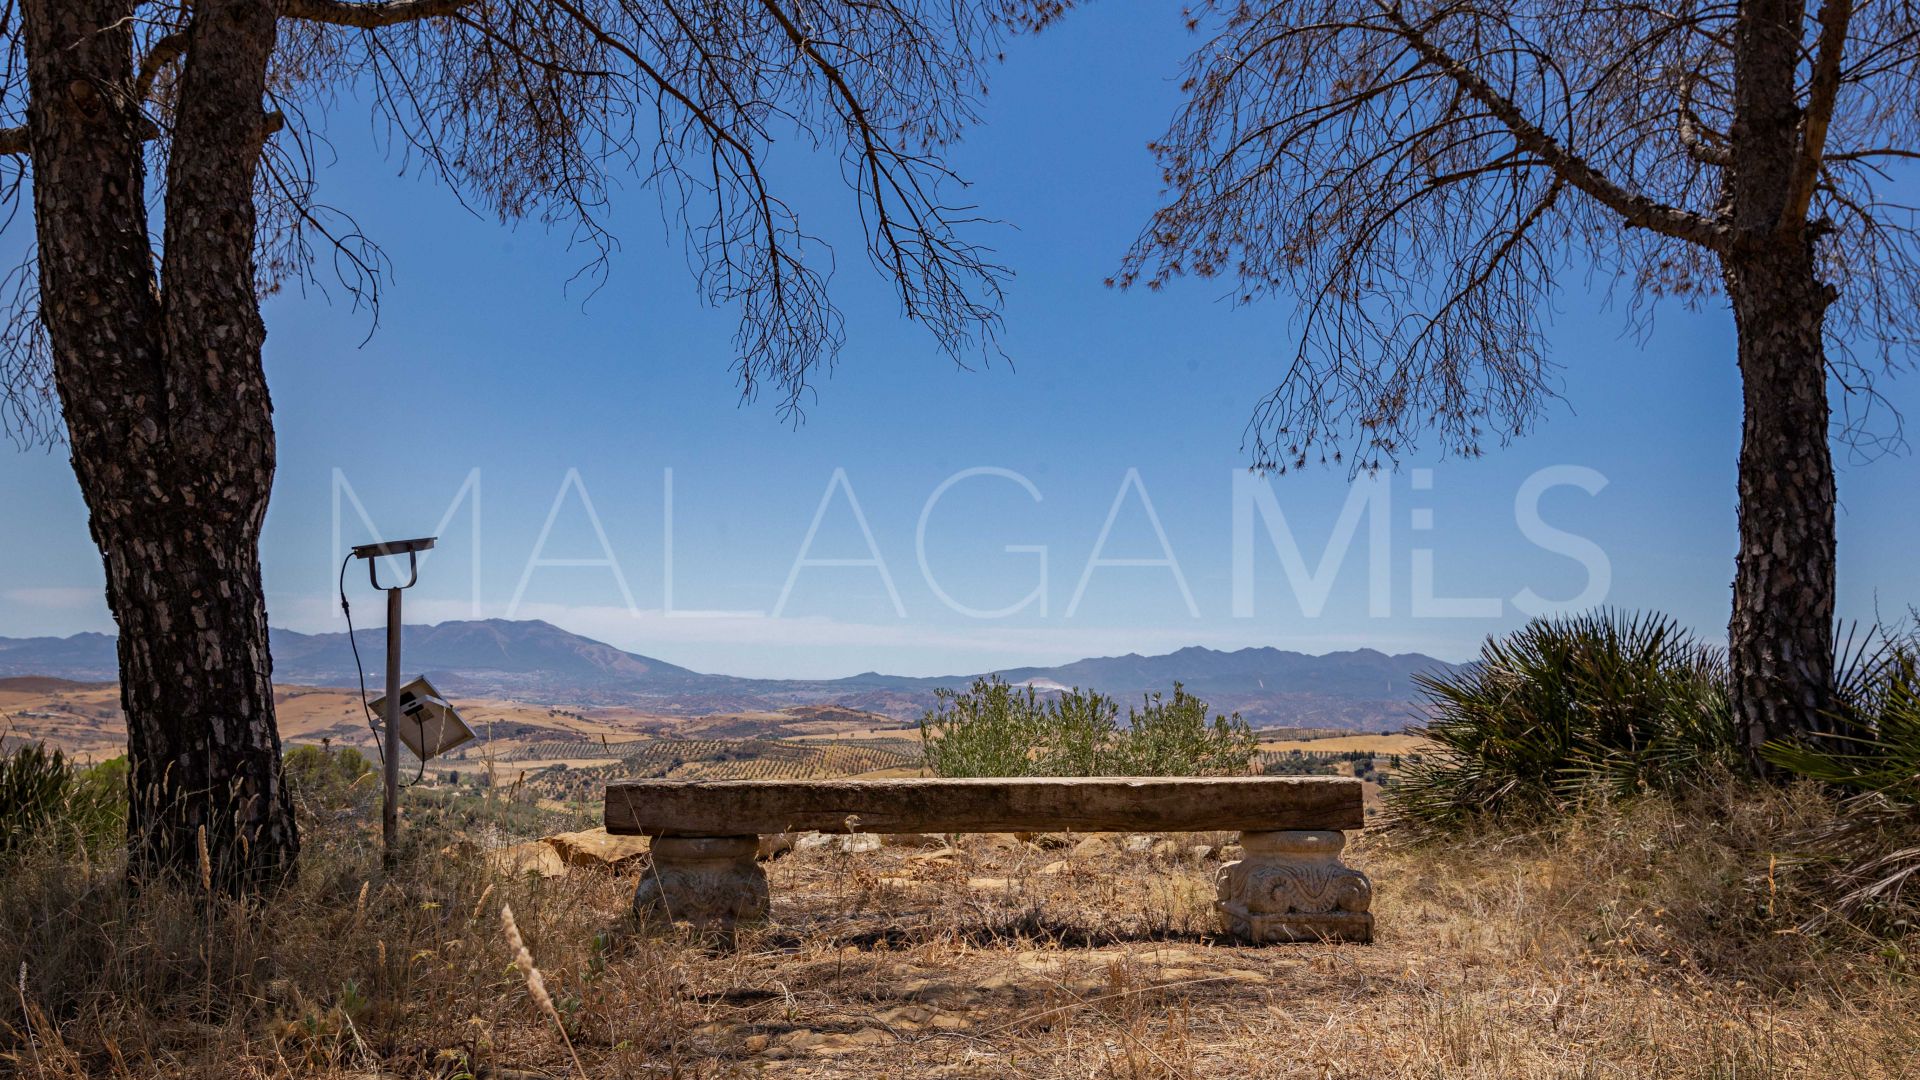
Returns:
(166,407)
(1780,638)
(1781,634)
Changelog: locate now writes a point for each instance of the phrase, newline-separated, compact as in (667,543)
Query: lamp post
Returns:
(390,735)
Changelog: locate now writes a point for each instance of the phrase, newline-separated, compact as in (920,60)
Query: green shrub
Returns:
(1613,701)
(97,804)
(1173,738)
(994,729)
(46,799)
(990,729)
(326,780)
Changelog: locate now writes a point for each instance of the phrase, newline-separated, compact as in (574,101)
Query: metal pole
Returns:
(390,811)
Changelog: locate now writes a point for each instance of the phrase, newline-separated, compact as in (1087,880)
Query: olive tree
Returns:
(1425,176)
(170,149)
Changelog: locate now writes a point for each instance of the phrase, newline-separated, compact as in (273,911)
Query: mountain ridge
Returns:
(533,660)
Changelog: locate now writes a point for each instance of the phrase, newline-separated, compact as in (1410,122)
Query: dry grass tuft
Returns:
(1643,939)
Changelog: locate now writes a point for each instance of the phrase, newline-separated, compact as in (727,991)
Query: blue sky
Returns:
(492,371)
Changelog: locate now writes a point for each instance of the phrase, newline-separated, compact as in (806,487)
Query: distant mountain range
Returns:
(536,661)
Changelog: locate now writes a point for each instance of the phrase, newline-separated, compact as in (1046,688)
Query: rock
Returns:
(1056,867)
(1203,852)
(859,843)
(594,848)
(932,988)
(942,855)
(1044,963)
(535,857)
(1165,850)
(826,1042)
(1170,957)
(1139,844)
(987,884)
(1092,848)
(1001,981)
(922,1018)
(813,841)
(911,840)
(1049,841)
(774,845)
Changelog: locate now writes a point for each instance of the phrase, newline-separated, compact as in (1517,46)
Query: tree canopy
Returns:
(1424,176)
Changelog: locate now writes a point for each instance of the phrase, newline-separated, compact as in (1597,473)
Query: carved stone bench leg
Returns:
(1292,886)
(703,880)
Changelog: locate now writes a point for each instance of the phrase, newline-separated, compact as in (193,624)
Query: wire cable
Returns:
(379,742)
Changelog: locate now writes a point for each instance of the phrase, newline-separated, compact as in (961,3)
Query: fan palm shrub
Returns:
(1613,701)
(1868,859)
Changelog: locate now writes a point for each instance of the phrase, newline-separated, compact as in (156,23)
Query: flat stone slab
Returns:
(1072,804)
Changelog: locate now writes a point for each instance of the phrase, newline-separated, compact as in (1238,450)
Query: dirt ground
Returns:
(1099,957)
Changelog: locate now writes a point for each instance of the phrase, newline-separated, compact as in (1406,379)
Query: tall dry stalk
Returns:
(536,984)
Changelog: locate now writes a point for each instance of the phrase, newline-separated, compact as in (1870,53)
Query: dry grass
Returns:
(1630,942)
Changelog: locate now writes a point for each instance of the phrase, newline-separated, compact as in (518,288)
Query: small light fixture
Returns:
(393,699)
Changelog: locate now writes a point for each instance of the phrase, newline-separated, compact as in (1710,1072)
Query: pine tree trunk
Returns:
(166,408)
(1781,634)
(195,684)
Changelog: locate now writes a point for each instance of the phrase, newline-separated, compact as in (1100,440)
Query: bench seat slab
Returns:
(1053,804)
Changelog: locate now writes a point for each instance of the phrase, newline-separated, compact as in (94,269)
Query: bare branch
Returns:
(1636,208)
(533,111)
(1863,155)
(370,14)
(164,52)
(1821,95)
(1694,135)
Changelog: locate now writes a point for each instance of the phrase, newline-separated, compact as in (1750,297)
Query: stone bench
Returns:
(1289,885)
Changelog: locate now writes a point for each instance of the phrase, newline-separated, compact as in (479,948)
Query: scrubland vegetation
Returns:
(1582,881)
(995,729)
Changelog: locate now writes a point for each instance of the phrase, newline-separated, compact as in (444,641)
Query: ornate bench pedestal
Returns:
(1292,886)
(703,880)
